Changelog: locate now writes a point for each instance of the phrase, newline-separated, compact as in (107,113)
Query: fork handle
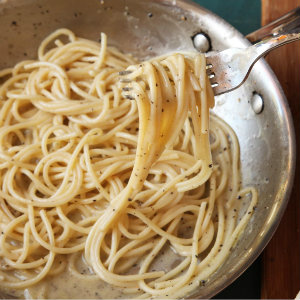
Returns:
(278,33)
(287,24)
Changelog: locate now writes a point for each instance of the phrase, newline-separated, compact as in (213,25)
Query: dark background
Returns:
(244,15)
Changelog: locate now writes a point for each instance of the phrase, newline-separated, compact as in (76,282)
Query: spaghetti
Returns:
(118,160)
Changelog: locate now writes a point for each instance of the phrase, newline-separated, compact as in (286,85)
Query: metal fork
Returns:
(228,69)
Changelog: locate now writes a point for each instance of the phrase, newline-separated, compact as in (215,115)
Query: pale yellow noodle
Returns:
(116,161)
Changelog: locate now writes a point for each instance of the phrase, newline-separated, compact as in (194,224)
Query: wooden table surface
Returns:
(281,258)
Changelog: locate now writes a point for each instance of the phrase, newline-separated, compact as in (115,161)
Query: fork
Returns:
(228,69)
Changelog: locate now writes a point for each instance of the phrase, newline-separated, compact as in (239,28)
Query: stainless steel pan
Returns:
(148,28)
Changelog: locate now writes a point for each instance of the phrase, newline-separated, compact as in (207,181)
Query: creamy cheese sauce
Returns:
(72,285)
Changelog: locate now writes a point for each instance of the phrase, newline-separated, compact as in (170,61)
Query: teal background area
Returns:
(244,15)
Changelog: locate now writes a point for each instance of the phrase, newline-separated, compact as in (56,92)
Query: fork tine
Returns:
(210,72)
(129,97)
(126,89)
(219,73)
(125,80)
(125,72)
(214,85)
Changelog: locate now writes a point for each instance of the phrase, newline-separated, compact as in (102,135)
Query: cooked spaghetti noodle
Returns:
(118,160)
